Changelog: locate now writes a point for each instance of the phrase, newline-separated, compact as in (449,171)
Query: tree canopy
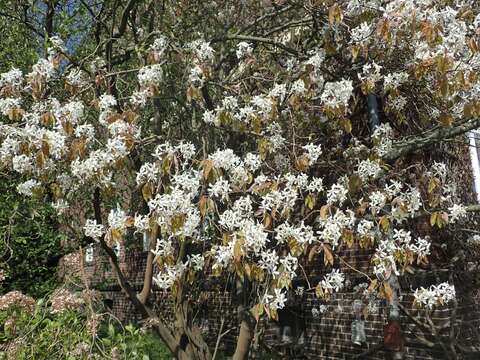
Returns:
(245,138)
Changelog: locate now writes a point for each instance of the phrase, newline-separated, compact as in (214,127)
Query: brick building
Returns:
(313,329)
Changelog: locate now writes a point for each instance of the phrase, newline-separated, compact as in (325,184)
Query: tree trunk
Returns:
(191,344)
(247,323)
(148,276)
(244,340)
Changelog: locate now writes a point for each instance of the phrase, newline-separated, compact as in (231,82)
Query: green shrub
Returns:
(66,328)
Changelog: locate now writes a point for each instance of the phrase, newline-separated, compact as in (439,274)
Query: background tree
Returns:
(29,238)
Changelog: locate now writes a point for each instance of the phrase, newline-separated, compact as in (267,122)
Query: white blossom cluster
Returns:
(337,94)
(159,47)
(434,295)
(244,49)
(333,281)
(26,188)
(390,250)
(331,228)
(203,56)
(93,230)
(258,210)
(13,79)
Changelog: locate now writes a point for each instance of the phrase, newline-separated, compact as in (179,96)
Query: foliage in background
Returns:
(62,327)
(28,233)
(28,241)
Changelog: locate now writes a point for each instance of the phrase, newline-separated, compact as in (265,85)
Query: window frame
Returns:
(474,145)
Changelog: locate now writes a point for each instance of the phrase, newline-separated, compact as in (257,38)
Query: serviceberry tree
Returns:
(246,138)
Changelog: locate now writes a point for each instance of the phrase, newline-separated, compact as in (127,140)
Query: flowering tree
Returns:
(258,143)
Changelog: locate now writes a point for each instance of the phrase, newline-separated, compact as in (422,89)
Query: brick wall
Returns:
(326,336)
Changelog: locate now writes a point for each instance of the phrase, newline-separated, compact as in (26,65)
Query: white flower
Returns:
(71,111)
(8,104)
(434,295)
(196,262)
(159,45)
(263,104)
(276,301)
(60,206)
(414,201)
(13,78)
(150,75)
(299,290)
(394,80)
(43,68)
(219,189)
(186,149)
(301,233)
(269,262)
(370,73)
(456,212)
(298,87)
(377,201)
(289,265)
(394,188)
(106,102)
(333,280)
(188,181)
(382,138)
(76,77)
(196,75)
(368,169)
(316,185)
(439,170)
(57,42)
(139,98)
(256,238)
(278,91)
(337,94)
(402,236)
(421,248)
(93,230)
(118,219)
(243,49)
(364,228)
(225,159)
(210,117)
(22,164)
(141,222)
(252,161)
(397,103)
(313,152)
(361,33)
(85,130)
(317,59)
(163,247)
(203,51)
(331,232)
(337,193)
(27,187)
(190,225)
(166,277)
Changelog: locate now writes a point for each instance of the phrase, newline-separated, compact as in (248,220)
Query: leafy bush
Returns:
(29,243)
(64,327)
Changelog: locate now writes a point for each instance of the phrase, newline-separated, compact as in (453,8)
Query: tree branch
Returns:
(148,276)
(403,148)
(257,39)
(162,330)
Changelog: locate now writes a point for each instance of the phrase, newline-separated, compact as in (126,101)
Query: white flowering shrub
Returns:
(263,154)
